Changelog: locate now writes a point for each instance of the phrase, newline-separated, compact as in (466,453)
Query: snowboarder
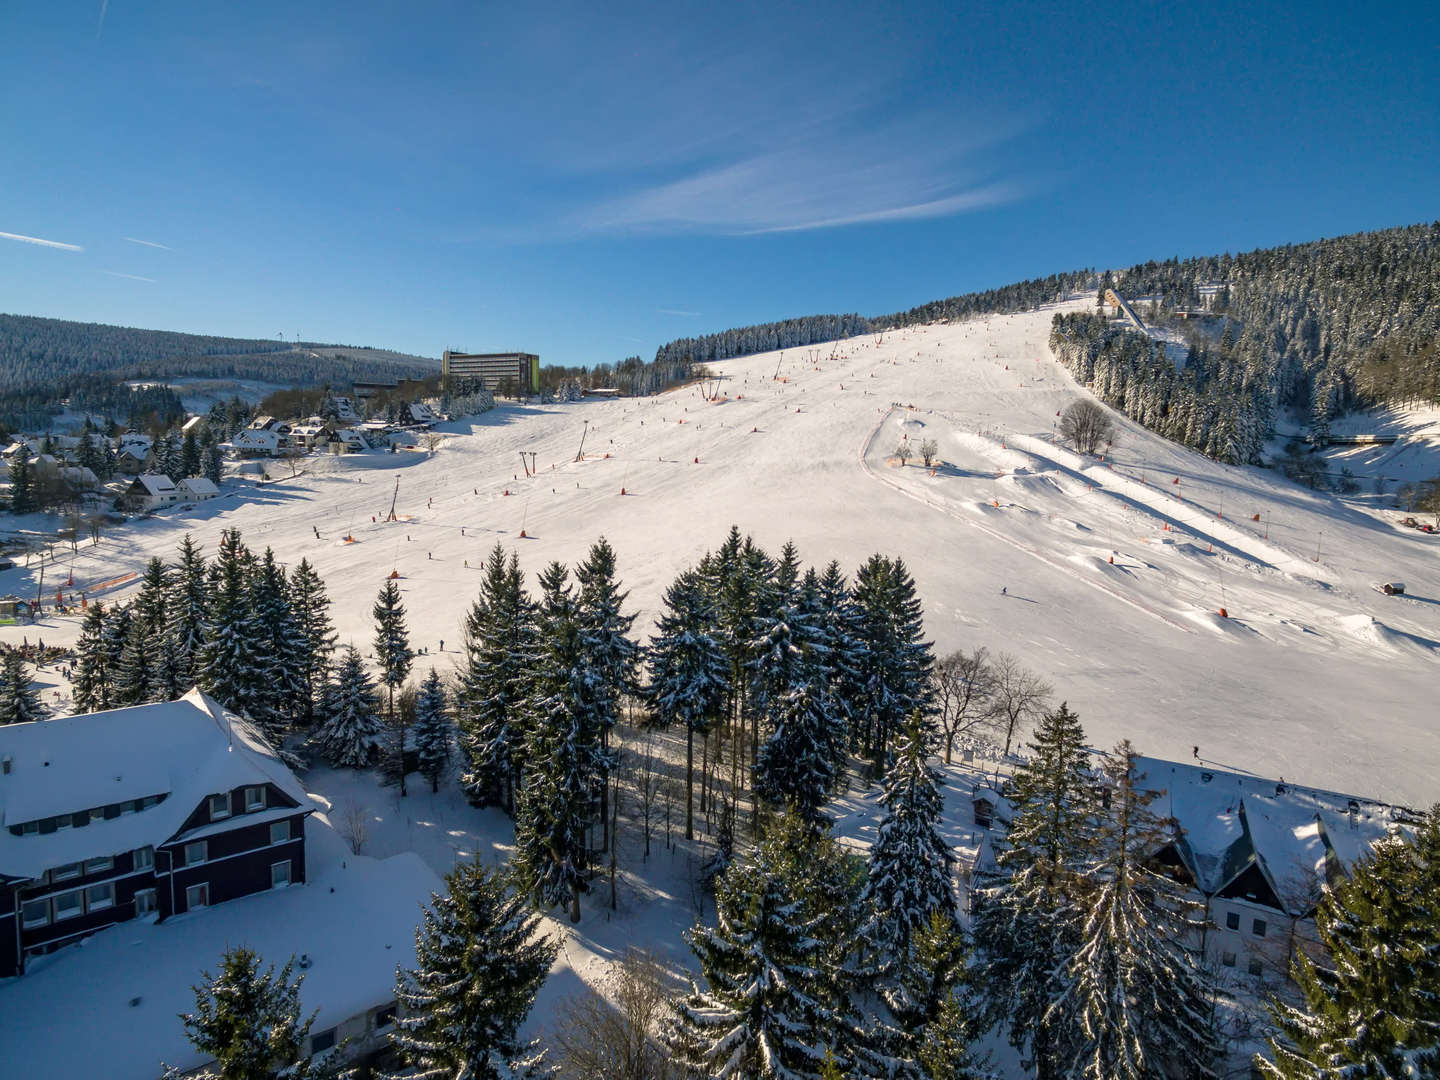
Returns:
(1002,591)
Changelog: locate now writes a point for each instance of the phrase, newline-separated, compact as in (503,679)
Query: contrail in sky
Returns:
(42,243)
(148,243)
(129,277)
(100,27)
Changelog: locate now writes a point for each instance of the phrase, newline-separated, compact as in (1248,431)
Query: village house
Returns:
(149,491)
(198,488)
(151,810)
(260,442)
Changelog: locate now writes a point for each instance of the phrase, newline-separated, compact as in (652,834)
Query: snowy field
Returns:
(1313,675)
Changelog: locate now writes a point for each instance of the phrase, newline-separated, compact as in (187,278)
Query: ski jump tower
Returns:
(1126,311)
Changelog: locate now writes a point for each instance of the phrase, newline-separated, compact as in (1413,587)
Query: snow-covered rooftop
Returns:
(109,1006)
(185,749)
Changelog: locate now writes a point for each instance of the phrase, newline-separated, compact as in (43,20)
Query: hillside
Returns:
(1311,674)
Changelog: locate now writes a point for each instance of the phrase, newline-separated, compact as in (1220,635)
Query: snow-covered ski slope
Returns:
(1313,675)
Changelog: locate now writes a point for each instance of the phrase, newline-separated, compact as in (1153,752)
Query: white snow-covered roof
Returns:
(1300,837)
(199,485)
(192,424)
(111,1008)
(256,438)
(156,483)
(185,749)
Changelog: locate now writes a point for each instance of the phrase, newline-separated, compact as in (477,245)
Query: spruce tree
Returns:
(22,484)
(433,730)
(282,648)
(795,766)
(769,1007)
(688,673)
(189,456)
(1136,990)
(230,668)
(1371,1006)
(310,605)
(895,659)
(19,700)
(1029,925)
(348,737)
(908,879)
(478,966)
(554,806)
(501,651)
(249,1021)
(137,661)
(187,613)
(392,641)
(92,686)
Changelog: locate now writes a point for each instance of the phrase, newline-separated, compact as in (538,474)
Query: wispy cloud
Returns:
(42,243)
(675,311)
(100,26)
(148,243)
(128,277)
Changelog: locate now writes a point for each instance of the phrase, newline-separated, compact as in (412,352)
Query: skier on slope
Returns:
(1002,591)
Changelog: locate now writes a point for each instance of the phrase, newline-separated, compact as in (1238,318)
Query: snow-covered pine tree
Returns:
(311,608)
(348,737)
(150,617)
(501,651)
(479,963)
(895,658)
(19,700)
(187,612)
(92,686)
(1371,1008)
(688,671)
(434,730)
(249,1022)
(230,668)
(112,645)
(1136,990)
(392,641)
(137,658)
(282,649)
(1029,925)
(796,765)
(908,878)
(610,659)
(770,1007)
(841,660)
(554,805)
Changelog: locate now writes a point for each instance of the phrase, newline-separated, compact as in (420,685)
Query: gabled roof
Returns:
(199,485)
(155,484)
(185,750)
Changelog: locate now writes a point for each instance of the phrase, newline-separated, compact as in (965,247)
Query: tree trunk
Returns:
(689,782)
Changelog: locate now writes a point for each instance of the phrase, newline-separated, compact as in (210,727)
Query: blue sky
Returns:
(588,181)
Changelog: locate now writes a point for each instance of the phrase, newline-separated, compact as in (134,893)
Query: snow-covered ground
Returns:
(1313,675)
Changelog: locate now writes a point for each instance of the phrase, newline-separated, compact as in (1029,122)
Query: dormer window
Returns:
(254,798)
(219,806)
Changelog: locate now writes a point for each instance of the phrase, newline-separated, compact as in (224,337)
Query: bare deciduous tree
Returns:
(903,452)
(648,781)
(928,451)
(615,1038)
(1086,426)
(353,822)
(1019,696)
(432,440)
(964,686)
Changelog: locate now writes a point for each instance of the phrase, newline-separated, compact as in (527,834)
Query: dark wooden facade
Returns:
(245,852)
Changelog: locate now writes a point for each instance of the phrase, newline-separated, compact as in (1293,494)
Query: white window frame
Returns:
(143,858)
(257,803)
(203,845)
(146,901)
(78,894)
(280,826)
(68,871)
(276,866)
(190,904)
(28,924)
(213,802)
(99,866)
(105,902)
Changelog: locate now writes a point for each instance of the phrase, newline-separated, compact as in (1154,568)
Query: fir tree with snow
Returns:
(501,651)
(282,648)
(910,870)
(1370,1007)
(187,613)
(310,605)
(1136,990)
(137,659)
(19,700)
(895,659)
(1030,924)
(554,806)
(688,671)
(231,669)
(249,1022)
(796,765)
(392,641)
(769,1007)
(479,963)
(93,685)
(434,730)
(350,733)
